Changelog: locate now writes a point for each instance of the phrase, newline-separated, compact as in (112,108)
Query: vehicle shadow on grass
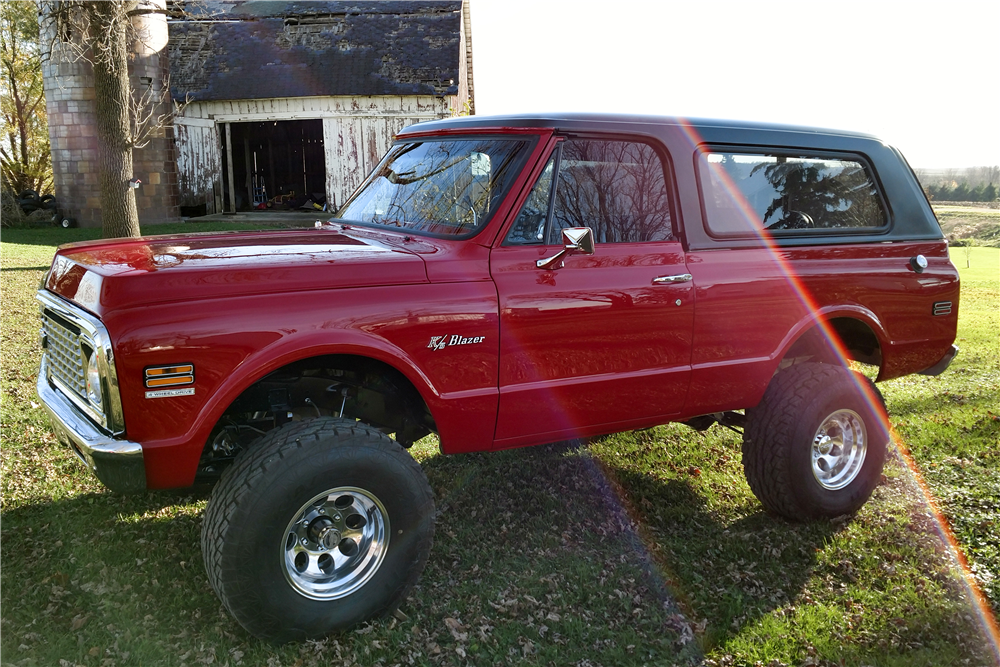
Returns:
(542,552)
(534,545)
(559,513)
(534,562)
(725,574)
(968,394)
(546,555)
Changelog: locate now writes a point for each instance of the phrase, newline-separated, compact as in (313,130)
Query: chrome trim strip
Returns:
(117,463)
(113,418)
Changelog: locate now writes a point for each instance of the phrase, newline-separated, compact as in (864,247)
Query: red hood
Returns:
(111,274)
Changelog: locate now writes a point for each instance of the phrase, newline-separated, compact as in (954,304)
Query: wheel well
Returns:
(855,338)
(362,388)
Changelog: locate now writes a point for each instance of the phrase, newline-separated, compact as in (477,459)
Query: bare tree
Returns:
(109,23)
(969,244)
(103,34)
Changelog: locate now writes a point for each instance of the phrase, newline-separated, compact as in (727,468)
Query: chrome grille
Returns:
(71,336)
(65,355)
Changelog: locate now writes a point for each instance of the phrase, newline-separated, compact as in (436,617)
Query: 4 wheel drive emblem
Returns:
(167,393)
(158,378)
(441,342)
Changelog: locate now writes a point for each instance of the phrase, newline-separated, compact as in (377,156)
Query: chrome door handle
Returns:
(666,280)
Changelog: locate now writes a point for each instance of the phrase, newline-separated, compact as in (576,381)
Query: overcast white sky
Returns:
(924,76)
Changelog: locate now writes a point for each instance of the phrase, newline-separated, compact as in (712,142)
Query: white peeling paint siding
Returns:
(353,147)
(199,165)
(357,131)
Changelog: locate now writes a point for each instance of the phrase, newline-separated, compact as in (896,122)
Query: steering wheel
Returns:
(793,220)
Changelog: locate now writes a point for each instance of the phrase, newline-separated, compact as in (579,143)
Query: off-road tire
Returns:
(779,434)
(245,524)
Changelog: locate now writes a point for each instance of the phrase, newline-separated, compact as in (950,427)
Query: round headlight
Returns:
(93,379)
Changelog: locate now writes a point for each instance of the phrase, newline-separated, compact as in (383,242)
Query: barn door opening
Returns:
(273,164)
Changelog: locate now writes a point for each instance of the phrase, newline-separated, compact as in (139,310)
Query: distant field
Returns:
(970,222)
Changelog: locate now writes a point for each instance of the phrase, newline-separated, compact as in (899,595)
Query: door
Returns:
(274,164)
(602,342)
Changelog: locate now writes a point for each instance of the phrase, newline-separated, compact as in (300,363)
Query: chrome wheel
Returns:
(838,449)
(335,543)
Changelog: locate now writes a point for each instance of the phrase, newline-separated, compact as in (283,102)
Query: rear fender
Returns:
(818,324)
(822,326)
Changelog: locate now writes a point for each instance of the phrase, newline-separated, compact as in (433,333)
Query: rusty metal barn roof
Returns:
(259,49)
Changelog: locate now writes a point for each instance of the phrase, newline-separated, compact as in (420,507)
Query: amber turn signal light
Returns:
(170,376)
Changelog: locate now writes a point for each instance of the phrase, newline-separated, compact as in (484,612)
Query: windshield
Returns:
(448,187)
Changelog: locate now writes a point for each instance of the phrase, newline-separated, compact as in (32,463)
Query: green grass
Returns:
(951,424)
(640,548)
(50,237)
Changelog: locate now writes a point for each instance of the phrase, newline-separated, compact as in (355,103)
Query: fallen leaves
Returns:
(456,629)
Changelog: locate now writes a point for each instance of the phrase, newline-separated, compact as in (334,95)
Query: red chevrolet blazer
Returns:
(501,282)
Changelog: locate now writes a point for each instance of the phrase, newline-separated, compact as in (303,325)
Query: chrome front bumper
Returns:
(117,463)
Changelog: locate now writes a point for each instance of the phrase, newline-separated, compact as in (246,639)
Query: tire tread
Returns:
(251,469)
(769,432)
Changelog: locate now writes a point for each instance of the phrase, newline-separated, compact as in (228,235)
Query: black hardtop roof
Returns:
(912,218)
(600,121)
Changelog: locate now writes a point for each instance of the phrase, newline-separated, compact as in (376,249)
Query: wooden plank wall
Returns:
(356,133)
(199,164)
(353,148)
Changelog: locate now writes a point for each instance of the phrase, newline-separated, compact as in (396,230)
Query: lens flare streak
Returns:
(981,604)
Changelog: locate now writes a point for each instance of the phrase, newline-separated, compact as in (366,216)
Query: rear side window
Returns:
(617,188)
(786,195)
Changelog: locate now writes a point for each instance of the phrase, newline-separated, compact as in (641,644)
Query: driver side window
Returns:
(617,188)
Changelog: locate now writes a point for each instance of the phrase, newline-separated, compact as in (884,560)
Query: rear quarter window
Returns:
(785,194)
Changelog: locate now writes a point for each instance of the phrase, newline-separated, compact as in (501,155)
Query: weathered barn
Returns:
(300,99)
(286,101)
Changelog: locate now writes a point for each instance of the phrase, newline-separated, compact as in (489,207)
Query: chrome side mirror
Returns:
(575,239)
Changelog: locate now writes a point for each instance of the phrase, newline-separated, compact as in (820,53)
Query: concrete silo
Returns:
(70,98)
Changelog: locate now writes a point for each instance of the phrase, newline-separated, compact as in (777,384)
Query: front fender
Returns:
(234,343)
